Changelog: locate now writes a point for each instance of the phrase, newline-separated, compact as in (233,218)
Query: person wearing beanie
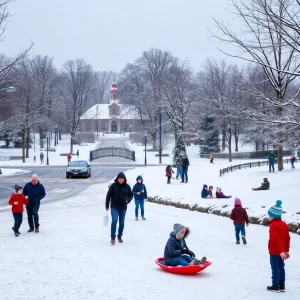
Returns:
(17,201)
(279,247)
(139,192)
(176,250)
(240,218)
(205,193)
(220,195)
(118,196)
(265,185)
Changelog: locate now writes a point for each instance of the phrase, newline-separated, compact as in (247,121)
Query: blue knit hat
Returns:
(275,211)
(139,177)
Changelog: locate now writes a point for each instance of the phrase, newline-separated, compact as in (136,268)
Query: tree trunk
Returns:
(229,145)
(154,140)
(41,133)
(27,142)
(223,140)
(280,158)
(23,143)
(236,140)
(71,144)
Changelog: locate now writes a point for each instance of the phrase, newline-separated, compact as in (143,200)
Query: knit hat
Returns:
(204,186)
(18,187)
(139,177)
(177,227)
(237,201)
(275,211)
(218,189)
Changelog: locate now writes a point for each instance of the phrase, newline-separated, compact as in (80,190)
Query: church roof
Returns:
(101,111)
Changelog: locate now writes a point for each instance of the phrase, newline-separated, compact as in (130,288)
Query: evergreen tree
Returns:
(179,147)
(209,136)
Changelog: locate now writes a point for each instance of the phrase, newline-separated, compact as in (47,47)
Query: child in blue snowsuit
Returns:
(139,192)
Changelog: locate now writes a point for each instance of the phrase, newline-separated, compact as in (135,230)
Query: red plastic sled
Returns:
(188,270)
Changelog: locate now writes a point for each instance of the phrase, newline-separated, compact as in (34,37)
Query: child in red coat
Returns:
(219,194)
(169,172)
(240,217)
(17,201)
(279,247)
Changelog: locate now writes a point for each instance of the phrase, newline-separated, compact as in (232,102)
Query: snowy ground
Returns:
(71,257)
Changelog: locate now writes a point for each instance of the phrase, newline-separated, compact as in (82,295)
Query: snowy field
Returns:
(72,259)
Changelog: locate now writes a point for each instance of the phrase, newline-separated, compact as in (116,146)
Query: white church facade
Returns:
(111,118)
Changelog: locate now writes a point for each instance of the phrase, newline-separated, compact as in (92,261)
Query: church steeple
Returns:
(114,93)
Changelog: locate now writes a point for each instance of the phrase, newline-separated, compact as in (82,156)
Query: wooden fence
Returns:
(249,165)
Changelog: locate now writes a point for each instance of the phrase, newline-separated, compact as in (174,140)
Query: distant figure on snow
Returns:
(42,158)
(179,167)
(271,158)
(169,172)
(293,159)
(211,158)
(219,194)
(77,153)
(240,217)
(205,193)
(210,191)
(265,185)
(185,166)
(69,158)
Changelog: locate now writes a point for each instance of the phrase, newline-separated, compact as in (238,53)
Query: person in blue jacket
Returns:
(139,192)
(271,158)
(205,193)
(35,192)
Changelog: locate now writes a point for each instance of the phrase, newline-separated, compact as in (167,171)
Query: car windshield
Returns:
(78,164)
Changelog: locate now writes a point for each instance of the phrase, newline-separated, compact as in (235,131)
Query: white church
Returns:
(111,118)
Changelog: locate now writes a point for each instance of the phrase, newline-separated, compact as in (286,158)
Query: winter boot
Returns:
(16,234)
(237,242)
(136,218)
(37,230)
(143,218)
(113,240)
(203,260)
(195,262)
(244,240)
(275,289)
(120,239)
(282,286)
(30,230)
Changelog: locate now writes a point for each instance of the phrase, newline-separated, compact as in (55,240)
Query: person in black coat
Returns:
(185,165)
(176,250)
(118,196)
(35,192)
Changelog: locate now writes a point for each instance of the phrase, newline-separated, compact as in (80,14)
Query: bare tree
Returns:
(77,87)
(262,42)
(103,81)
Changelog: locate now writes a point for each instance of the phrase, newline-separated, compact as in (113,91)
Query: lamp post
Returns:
(34,156)
(145,135)
(55,136)
(47,141)
(160,149)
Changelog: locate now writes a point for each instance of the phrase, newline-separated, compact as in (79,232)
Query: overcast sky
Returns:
(110,33)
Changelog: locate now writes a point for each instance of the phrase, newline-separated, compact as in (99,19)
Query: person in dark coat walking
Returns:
(35,192)
(176,250)
(118,196)
(240,217)
(42,158)
(139,192)
(185,165)
(17,201)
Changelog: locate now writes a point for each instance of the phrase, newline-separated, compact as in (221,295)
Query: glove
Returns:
(192,254)
(184,251)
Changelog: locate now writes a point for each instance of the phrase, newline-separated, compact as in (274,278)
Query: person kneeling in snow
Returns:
(219,194)
(177,252)
(265,185)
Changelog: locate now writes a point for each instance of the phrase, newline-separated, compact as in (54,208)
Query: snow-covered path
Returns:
(71,257)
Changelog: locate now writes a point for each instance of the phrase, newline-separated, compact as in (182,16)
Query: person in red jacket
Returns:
(219,194)
(17,201)
(69,157)
(279,247)
(240,217)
